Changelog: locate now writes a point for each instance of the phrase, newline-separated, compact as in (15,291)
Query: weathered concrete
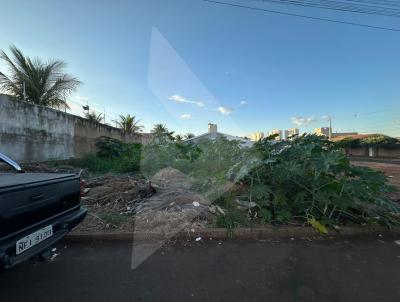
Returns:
(33,133)
(384,152)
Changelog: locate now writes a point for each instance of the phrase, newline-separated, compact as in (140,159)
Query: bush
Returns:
(309,178)
(161,152)
(112,156)
(378,140)
(109,147)
(215,159)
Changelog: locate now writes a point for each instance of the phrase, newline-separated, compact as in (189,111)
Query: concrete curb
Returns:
(264,233)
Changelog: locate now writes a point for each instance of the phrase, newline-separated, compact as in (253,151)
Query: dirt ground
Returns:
(391,170)
(163,204)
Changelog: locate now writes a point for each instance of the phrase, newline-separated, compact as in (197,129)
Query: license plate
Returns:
(31,240)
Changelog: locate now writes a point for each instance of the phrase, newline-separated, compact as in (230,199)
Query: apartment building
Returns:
(291,132)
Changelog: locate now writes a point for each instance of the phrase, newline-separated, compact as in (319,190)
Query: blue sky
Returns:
(185,63)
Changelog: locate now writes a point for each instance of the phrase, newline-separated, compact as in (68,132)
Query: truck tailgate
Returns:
(28,198)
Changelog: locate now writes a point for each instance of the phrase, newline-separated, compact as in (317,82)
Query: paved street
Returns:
(285,270)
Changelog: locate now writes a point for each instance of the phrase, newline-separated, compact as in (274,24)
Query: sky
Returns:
(185,63)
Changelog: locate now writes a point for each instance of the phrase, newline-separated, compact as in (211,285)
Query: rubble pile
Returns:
(164,203)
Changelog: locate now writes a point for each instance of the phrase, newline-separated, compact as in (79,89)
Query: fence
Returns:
(30,133)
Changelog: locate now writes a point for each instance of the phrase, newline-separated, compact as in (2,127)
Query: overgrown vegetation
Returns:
(305,180)
(161,152)
(112,156)
(310,179)
(376,140)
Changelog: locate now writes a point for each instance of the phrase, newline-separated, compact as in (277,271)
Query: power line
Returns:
(380,2)
(340,6)
(302,16)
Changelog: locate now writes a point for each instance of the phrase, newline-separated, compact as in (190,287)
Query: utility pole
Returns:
(330,127)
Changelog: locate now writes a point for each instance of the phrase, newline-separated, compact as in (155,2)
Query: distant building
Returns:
(212,128)
(277,131)
(323,131)
(290,132)
(256,136)
(213,134)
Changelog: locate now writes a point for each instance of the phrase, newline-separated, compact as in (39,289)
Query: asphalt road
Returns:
(286,270)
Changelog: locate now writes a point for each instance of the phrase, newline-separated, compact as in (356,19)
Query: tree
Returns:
(189,135)
(35,81)
(129,124)
(178,138)
(162,130)
(94,117)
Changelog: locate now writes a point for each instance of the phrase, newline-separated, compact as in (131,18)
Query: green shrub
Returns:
(112,156)
(232,216)
(161,152)
(378,140)
(310,178)
(109,147)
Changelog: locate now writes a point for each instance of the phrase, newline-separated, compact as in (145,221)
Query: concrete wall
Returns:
(31,133)
(387,152)
(393,152)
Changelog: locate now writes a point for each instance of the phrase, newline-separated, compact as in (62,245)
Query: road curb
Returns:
(264,233)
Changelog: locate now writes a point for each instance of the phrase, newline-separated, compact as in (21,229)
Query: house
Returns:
(383,149)
(213,134)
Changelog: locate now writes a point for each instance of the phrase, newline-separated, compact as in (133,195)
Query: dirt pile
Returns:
(164,204)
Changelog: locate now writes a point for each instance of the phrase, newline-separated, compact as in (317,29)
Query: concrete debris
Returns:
(246,204)
(220,210)
(164,204)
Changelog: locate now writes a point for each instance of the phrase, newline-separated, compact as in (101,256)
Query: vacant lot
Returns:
(391,169)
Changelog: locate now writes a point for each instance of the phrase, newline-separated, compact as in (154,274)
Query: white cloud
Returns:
(243,102)
(225,110)
(181,99)
(81,98)
(302,121)
(185,116)
(326,117)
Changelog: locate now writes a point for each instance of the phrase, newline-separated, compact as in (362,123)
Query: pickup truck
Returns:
(36,211)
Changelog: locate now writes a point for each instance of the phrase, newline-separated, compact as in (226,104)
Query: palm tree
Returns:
(189,135)
(161,130)
(35,81)
(94,117)
(178,138)
(129,124)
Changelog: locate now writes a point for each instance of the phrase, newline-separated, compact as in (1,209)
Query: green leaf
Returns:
(317,225)
(266,215)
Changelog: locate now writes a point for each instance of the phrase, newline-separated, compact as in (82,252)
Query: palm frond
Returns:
(45,83)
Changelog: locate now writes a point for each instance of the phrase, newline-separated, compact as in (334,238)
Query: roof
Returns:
(352,136)
(215,135)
